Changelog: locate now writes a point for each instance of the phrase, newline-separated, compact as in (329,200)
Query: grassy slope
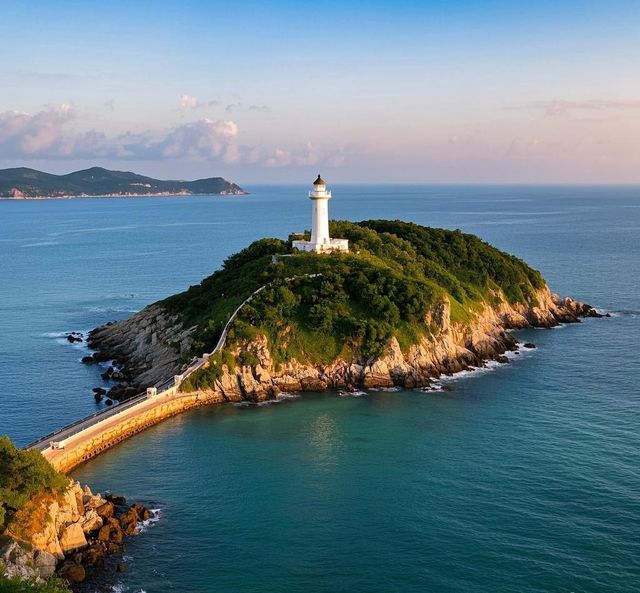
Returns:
(394,273)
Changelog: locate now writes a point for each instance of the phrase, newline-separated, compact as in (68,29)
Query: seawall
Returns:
(109,432)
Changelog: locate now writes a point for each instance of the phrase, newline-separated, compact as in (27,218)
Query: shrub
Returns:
(24,473)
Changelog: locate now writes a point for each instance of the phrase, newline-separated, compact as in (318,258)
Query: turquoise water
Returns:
(523,478)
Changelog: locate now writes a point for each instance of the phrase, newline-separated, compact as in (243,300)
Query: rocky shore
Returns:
(151,346)
(71,534)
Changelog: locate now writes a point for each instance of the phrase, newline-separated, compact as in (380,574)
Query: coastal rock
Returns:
(450,347)
(105,510)
(18,562)
(72,538)
(116,499)
(44,562)
(72,572)
(91,521)
(151,342)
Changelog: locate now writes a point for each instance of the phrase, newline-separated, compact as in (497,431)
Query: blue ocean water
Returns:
(523,478)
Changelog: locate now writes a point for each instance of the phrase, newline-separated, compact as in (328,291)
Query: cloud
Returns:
(561,107)
(188,102)
(306,155)
(31,134)
(45,136)
(259,108)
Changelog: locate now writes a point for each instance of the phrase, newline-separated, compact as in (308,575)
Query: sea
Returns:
(516,478)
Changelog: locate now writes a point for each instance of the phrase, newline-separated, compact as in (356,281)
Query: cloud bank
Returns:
(45,135)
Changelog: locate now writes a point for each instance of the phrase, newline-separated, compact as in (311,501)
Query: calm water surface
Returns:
(519,479)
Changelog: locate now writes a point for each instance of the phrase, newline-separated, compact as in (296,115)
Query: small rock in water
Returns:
(117,500)
(108,402)
(74,337)
(88,360)
(529,345)
(502,359)
(99,391)
(120,567)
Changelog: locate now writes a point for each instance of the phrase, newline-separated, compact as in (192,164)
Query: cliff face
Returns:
(66,533)
(141,344)
(149,345)
(454,347)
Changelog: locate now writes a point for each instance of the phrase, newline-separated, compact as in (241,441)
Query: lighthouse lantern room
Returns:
(320,241)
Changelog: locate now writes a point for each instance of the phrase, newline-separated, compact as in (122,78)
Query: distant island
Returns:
(22,183)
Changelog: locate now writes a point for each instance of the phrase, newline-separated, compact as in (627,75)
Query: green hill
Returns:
(28,183)
(317,308)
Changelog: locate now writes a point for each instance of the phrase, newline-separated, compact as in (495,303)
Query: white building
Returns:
(320,241)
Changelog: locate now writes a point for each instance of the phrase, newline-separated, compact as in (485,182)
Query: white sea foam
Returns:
(142,526)
(281,397)
(352,393)
(111,310)
(387,389)
(489,366)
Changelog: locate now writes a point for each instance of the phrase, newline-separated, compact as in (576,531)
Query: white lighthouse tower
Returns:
(320,241)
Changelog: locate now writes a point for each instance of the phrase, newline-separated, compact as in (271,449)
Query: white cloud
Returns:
(44,135)
(188,102)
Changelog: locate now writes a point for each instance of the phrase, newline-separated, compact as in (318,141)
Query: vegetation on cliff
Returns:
(24,474)
(316,308)
(17,585)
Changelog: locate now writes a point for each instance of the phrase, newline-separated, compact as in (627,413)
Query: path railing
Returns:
(74,428)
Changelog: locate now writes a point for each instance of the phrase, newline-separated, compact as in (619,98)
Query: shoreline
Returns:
(81,196)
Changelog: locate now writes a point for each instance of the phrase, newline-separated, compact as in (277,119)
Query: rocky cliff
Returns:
(69,534)
(149,346)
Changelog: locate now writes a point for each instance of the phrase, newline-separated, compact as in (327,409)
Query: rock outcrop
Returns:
(151,344)
(145,345)
(70,534)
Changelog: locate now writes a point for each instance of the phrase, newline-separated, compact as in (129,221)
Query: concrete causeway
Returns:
(82,440)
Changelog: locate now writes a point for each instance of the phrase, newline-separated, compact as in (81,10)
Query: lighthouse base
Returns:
(326,246)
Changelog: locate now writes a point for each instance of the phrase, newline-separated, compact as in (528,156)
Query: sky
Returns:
(363,92)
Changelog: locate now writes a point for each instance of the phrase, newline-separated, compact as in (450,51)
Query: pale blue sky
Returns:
(383,91)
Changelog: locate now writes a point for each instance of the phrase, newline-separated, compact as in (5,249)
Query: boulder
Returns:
(72,538)
(116,500)
(105,510)
(528,345)
(91,521)
(143,512)
(72,572)
(88,360)
(94,555)
(44,562)
(129,521)
(17,562)
(104,533)
(120,567)
(99,390)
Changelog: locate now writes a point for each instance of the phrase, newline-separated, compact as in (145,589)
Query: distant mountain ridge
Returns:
(25,183)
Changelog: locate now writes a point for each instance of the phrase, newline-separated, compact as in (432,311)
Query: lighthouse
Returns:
(320,241)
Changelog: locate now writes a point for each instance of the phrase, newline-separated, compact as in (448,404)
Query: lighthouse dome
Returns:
(319,181)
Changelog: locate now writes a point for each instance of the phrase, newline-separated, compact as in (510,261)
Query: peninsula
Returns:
(23,183)
(374,304)
(406,304)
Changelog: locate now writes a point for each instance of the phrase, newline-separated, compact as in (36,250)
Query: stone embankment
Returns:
(70,534)
(451,347)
